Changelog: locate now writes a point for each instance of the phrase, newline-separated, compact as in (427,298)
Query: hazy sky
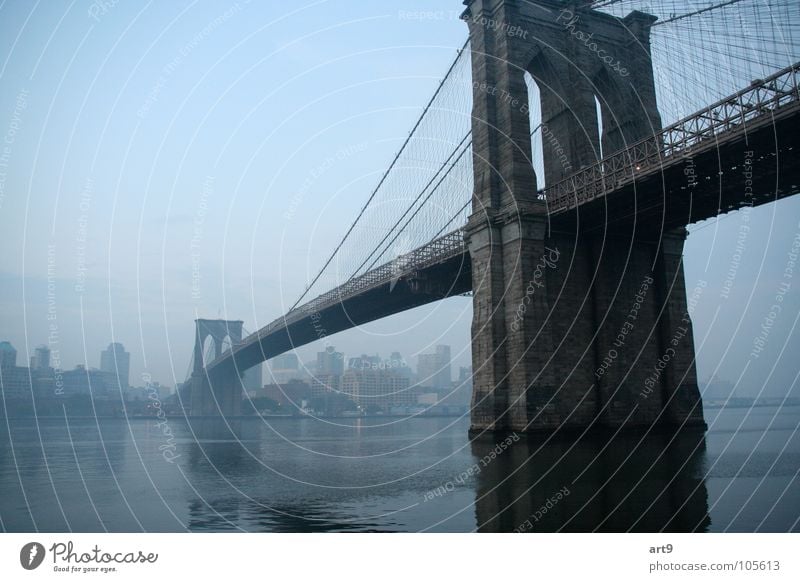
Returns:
(160,140)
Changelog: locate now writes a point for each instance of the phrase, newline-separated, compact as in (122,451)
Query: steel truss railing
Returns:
(762,97)
(436,251)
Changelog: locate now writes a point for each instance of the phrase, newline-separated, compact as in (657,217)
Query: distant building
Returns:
(433,370)
(395,362)
(290,395)
(378,390)
(8,355)
(428,398)
(398,363)
(116,361)
(465,373)
(461,392)
(444,375)
(327,397)
(46,382)
(330,362)
(426,370)
(19,382)
(40,360)
(94,382)
(324,384)
(15,382)
(152,391)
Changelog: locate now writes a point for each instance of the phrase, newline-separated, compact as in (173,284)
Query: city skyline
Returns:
(115,360)
(331,385)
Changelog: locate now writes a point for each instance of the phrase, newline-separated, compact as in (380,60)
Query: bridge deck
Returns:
(430,273)
(766,111)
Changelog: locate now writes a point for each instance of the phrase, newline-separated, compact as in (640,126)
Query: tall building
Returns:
(433,370)
(399,365)
(8,355)
(15,382)
(330,362)
(43,377)
(94,382)
(378,390)
(444,375)
(426,370)
(40,360)
(116,361)
(462,388)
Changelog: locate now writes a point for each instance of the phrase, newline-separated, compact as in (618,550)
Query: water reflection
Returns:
(597,483)
(299,475)
(218,429)
(219,447)
(254,515)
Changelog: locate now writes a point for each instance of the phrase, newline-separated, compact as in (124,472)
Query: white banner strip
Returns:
(355,557)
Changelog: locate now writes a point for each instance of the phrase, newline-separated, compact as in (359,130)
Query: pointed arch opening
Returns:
(227,344)
(599,112)
(209,348)
(612,112)
(535,112)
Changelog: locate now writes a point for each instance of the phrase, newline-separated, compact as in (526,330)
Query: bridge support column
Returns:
(573,334)
(202,402)
(220,397)
(533,323)
(231,397)
(511,339)
(503,176)
(683,404)
(489,371)
(645,368)
(570,330)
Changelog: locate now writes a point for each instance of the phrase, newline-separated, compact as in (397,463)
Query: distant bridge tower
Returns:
(574,325)
(222,394)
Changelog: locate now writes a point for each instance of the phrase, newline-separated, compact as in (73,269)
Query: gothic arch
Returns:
(209,349)
(217,330)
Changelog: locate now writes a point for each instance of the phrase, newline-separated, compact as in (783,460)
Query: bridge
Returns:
(554,272)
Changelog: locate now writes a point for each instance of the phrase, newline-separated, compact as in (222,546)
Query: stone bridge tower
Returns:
(214,396)
(578,325)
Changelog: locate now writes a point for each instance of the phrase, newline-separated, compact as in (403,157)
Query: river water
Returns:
(387,474)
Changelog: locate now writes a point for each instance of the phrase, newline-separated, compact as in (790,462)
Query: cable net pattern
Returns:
(702,52)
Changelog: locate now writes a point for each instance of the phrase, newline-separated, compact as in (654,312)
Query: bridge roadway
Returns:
(740,151)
